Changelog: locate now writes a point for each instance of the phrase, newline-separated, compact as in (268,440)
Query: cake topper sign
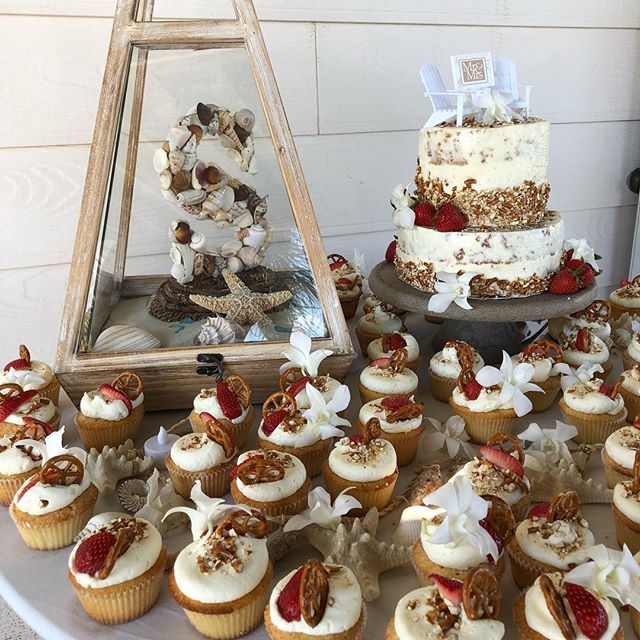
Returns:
(473,70)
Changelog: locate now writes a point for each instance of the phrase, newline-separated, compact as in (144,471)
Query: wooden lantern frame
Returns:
(169,374)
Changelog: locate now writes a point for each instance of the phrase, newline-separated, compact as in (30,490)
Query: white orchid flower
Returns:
(209,512)
(322,512)
(358,262)
(463,510)
(402,203)
(610,573)
(496,106)
(451,288)
(450,434)
(299,354)
(513,381)
(581,251)
(548,446)
(584,373)
(52,447)
(325,414)
(624,328)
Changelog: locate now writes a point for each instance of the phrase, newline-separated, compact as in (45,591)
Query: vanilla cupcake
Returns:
(594,409)
(320,600)
(229,402)
(111,414)
(401,423)
(373,325)
(309,434)
(544,611)
(54,505)
(387,377)
(117,570)
(385,345)
(553,537)
(448,609)
(31,375)
(581,346)
(618,454)
(631,355)
(273,482)
(626,299)
(629,389)
(543,355)
(366,464)
(207,457)
(626,508)
(445,367)
(18,408)
(348,283)
(595,317)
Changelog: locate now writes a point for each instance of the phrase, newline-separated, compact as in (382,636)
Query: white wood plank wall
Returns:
(348,76)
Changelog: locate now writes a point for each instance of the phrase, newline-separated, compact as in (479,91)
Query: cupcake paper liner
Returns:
(349,307)
(9,485)
(441,387)
(289,506)
(51,391)
(617,310)
(592,428)
(627,531)
(240,431)
(96,432)
(635,620)
(215,482)
(312,457)
(613,471)
(481,426)
(365,339)
(524,569)
(405,444)
(543,401)
(631,403)
(8,428)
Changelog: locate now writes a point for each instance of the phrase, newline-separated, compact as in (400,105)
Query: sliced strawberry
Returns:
(45,427)
(472,389)
(113,394)
(381,363)
(395,402)
(271,422)
(396,341)
(298,386)
(228,401)
(448,588)
(390,253)
(358,438)
(502,459)
(288,601)
(92,552)
(605,389)
(582,340)
(588,611)
(13,404)
(484,523)
(336,265)
(624,282)
(346,281)
(32,482)
(19,364)
(424,214)
(205,417)
(539,511)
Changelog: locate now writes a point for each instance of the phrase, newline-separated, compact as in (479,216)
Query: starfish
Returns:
(241,304)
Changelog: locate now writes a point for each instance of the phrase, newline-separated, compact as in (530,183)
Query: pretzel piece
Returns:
(62,470)
(217,432)
(565,506)
(398,360)
(408,411)
(8,390)
(289,377)
(372,430)
(240,388)
(253,524)
(280,401)
(258,470)
(314,592)
(129,383)
(556,607)
(124,538)
(635,482)
(481,594)
(334,258)
(507,443)
(500,517)
(464,377)
(24,354)
(542,349)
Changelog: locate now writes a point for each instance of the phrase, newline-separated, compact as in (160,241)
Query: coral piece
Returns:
(425,479)
(280,543)
(219,330)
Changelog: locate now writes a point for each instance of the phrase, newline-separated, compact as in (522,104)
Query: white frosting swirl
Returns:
(328,387)
(486,478)
(487,400)
(626,501)
(600,329)
(633,350)
(15,460)
(39,408)
(387,381)
(95,405)
(207,402)
(37,377)
(374,350)
(374,409)
(379,321)
(628,296)
(295,475)
(363,463)
(446,365)
(198,452)
(598,351)
(631,381)
(621,446)
(586,398)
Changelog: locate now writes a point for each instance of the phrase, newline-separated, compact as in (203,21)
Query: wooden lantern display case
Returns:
(197,239)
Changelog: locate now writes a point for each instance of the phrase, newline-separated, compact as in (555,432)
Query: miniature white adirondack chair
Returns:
(506,77)
(441,99)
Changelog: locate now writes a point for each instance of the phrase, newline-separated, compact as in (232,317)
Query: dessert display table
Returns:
(491,326)
(35,583)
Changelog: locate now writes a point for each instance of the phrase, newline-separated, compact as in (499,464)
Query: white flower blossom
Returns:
(548,446)
(402,203)
(322,512)
(358,262)
(584,373)
(581,251)
(324,415)
(299,354)
(450,434)
(495,105)
(624,328)
(451,288)
(52,447)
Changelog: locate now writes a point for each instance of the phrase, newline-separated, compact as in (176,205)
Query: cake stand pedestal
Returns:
(491,326)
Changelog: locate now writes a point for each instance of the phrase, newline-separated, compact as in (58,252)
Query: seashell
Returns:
(256,236)
(191,146)
(160,498)
(220,217)
(243,135)
(196,131)
(230,248)
(244,220)
(218,330)
(234,155)
(212,203)
(190,160)
(234,264)
(178,137)
(261,209)
(125,337)
(249,257)
(160,160)
(242,192)
(132,494)
(181,181)
(182,232)
(191,197)
(227,142)
(96,521)
(165,179)
(237,209)
(245,119)
(167,194)
(228,198)
(165,146)
(176,161)
(205,113)
(214,125)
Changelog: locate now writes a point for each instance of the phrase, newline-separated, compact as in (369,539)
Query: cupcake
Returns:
(320,600)
(581,346)
(594,409)
(31,375)
(618,454)
(348,283)
(450,609)
(445,367)
(553,608)
(387,377)
(595,317)
(626,299)
(553,537)
(308,435)
(401,423)
(273,482)
(117,570)
(499,471)
(482,528)
(111,414)
(229,402)
(207,457)
(631,355)
(385,345)
(223,578)
(373,325)
(629,389)
(53,506)
(19,460)
(543,355)
(18,407)
(626,509)
(366,463)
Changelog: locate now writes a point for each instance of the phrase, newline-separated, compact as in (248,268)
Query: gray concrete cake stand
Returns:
(491,325)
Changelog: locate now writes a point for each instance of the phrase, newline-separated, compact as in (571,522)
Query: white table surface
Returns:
(35,585)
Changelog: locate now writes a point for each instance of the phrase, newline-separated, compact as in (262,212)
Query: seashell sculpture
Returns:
(112,464)
(125,337)
(219,330)
(97,520)
(132,494)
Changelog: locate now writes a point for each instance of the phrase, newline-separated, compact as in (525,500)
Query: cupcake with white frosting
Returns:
(306,434)
(631,355)
(320,600)
(31,375)
(445,367)
(366,464)
(18,407)
(629,389)
(348,282)
(373,325)
(553,537)
(626,298)
(53,506)
(626,508)
(401,423)
(387,377)
(229,402)
(581,346)
(596,317)
(594,408)
(117,570)
(619,452)
(385,345)
(111,414)
(273,482)
(447,609)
